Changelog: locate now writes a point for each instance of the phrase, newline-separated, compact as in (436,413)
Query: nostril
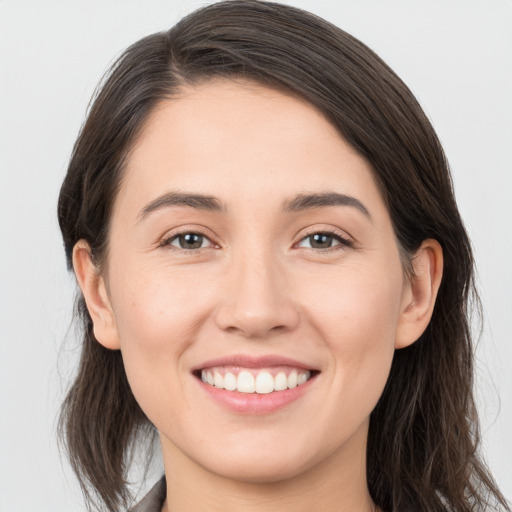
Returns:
(254,314)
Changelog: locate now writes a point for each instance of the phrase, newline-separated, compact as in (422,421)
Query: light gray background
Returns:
(456,55)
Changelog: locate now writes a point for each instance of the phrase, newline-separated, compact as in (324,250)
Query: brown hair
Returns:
(423,437)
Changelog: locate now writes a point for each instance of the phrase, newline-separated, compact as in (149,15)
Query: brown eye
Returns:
(323,240)
(189,241)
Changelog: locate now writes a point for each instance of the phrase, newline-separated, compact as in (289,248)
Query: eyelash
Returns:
(343,241)
(166,242)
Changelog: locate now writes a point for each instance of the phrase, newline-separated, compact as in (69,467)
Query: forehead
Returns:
(241,141)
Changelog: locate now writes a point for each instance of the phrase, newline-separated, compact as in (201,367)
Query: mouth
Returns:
(242,381)
(249,380)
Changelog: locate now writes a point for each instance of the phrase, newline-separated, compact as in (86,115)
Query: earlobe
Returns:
(96,298)
(420,293)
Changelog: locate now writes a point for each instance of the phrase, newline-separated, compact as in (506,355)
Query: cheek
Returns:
(157,308)
(358,320)
(156,322)
(359,307)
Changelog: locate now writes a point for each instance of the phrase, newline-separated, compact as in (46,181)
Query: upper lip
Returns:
(247,361)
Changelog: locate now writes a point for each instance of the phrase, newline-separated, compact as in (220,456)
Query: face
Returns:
(251,248)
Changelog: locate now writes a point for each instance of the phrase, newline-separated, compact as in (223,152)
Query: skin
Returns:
(256,286)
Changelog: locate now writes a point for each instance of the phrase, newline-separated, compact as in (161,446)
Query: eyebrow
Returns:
(298,203)
(322,200)
(199,201)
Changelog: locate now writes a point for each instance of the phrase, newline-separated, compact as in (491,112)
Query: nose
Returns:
(257,298)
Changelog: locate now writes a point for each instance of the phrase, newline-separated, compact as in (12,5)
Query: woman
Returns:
(273,274)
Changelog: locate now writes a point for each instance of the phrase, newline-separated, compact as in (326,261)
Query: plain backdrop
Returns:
(455,55)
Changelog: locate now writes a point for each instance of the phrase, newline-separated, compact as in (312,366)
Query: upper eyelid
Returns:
(328,231)
(169,237)
(333,234)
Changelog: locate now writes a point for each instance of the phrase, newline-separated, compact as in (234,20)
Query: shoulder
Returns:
(154,499)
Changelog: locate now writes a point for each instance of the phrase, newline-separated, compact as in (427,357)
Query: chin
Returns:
(256,471)
(263,463)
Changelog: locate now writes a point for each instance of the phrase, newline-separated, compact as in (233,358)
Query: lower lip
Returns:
(255,403)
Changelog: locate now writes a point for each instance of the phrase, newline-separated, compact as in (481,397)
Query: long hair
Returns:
(423,436)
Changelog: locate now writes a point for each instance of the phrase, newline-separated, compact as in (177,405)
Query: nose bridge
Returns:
(256,302)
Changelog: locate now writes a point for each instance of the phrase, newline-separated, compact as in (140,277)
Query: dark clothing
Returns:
(154,499)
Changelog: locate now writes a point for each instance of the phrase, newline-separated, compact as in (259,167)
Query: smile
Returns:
(261,381)
(255,385)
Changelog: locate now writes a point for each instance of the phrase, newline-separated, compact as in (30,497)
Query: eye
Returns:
(188,241)
(323,240)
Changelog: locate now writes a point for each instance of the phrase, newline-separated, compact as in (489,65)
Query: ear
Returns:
(420,292)
(95,294)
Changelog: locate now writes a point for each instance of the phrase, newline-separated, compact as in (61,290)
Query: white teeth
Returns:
(281,382)
(218,380)
(302,377)
(292,379)
(264,383)
(229,381)
(246,382)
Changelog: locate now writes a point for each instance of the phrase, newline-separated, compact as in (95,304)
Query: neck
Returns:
(336,484)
